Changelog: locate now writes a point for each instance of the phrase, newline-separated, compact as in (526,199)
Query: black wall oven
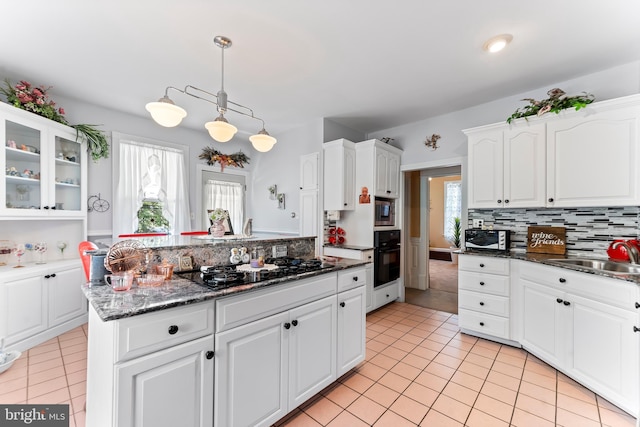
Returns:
(386,263)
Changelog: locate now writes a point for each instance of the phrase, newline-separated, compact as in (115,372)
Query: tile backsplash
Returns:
(589,230)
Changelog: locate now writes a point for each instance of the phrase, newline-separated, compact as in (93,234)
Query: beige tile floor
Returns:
(420,370)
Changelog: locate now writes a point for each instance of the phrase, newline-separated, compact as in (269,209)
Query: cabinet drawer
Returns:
(151,332)
(241,309)
(386,294)
(603,289)
(486,283)
(486,323)
(484,303)
(351,278)
(483,264)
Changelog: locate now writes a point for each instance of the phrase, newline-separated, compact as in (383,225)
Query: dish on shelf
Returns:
(126,255)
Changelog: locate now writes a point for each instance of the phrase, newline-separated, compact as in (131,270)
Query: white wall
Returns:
(610,83)
(281,166)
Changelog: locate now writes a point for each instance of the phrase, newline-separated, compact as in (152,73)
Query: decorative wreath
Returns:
(213,156)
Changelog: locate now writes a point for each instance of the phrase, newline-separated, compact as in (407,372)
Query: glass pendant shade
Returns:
(262,141)
(166,113)
(220,129)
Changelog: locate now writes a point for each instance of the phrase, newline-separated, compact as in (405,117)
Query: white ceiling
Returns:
(368,64)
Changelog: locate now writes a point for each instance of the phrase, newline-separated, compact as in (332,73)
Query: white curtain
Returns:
(140,163)
(229,196)
(452,205)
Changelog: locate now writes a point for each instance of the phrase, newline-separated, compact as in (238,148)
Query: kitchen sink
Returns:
(600,265)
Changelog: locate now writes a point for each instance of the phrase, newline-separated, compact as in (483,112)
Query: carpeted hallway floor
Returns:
(443,288)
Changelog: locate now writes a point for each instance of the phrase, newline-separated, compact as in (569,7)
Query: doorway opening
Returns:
(433,201)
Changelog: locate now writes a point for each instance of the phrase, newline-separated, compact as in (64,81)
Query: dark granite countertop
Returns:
(547,260)
(110,305)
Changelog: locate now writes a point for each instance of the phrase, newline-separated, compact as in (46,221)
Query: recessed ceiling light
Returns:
(497,43)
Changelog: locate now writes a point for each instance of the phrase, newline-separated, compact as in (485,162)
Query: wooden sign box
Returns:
(546,240)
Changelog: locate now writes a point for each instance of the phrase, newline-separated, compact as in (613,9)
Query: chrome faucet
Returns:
(632,251)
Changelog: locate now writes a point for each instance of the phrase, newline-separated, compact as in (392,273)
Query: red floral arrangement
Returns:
(33,99)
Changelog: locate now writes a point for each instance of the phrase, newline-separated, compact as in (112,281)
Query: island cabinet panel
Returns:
(173,387)
(250,373)
(351,329)
(275,363)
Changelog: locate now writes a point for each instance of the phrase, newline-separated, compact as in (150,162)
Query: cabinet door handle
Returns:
(481,283)
(638,305)
(47,276)
(342,304)
(636,329)
(45,207)
(53,208)
(355,278)
(481,303)
(506,201)
(209,355)
(499,201)
(173,329)
(481,265)
(53,275)
(481,323)
(301,188)
(388,191)
(345,204)
(387,295)
(294,322)
(559,300)
(287,325)
(562,280)
(550,199)
(566,303)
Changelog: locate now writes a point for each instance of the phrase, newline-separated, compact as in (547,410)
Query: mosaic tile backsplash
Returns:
(589,230)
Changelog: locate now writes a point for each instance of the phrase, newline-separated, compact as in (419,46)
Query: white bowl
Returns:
(11,357)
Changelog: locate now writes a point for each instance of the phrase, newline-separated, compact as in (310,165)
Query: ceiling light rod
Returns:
(166,113)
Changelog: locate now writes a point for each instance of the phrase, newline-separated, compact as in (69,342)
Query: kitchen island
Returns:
(186,355)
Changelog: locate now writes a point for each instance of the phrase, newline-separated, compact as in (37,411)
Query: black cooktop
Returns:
(225,276)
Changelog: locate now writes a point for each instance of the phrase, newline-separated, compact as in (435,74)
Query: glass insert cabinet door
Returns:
(45,170)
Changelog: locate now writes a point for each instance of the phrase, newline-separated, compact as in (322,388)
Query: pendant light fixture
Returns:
(166,113)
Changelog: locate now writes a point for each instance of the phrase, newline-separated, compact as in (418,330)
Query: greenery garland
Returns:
(213,156)
(35,99)
(556,102)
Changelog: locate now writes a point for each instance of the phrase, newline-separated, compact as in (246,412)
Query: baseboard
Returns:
(46,335)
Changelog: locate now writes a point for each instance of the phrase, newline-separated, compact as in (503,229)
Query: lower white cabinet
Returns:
(484,296)
(270,366)
(351,329)
(172,387)
(584,326)
(152,370)
(40,303)
(383,295)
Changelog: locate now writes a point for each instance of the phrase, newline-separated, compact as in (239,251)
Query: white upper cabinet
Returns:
(339,175)
(574,159)
(593,160)
(485,169)
(309,171)
(387,173)
(45,167)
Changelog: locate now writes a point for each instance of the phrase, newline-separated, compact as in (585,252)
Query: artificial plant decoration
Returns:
(556,102)
(456,232)
(213,156)
(34,99)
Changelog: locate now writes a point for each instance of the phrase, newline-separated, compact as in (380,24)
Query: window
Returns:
(147,171)
(452,205)
(226,195)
